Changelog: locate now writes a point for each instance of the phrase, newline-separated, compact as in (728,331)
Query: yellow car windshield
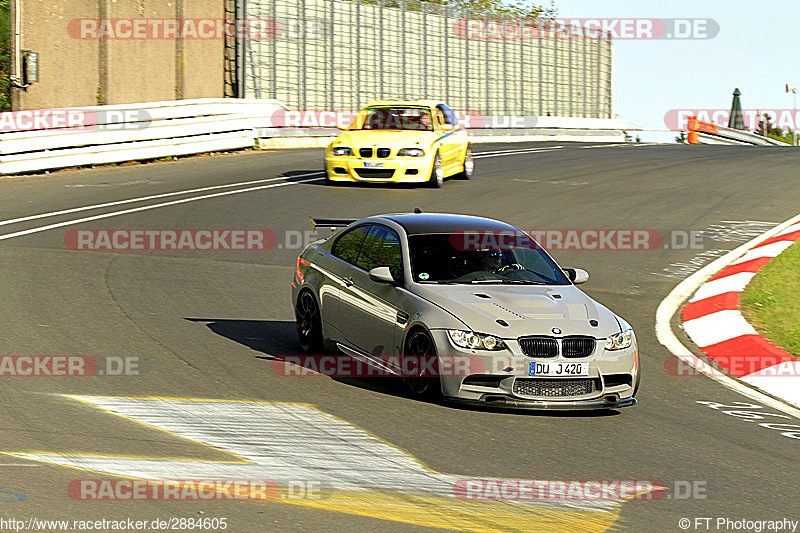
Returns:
(395,118)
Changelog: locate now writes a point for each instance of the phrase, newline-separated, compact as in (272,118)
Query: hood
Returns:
(527,309)
(388,138)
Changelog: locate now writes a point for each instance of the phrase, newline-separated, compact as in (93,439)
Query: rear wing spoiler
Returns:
(332,223)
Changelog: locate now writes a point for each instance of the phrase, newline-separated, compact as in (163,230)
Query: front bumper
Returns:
(393,170)
(503,402)
(614,375)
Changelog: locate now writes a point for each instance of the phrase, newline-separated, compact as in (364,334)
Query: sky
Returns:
(757,50)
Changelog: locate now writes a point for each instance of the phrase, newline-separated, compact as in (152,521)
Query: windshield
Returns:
(441,258)
(395,118)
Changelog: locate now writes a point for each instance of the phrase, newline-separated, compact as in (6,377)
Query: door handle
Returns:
(348,282)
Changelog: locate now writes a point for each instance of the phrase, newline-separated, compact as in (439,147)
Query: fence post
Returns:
(446,51)
(381,59)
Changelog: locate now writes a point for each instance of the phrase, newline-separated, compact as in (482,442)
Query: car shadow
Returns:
(275,339)
(299,175)
(277,342)
(566,413)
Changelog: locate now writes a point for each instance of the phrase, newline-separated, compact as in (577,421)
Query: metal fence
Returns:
(339,54)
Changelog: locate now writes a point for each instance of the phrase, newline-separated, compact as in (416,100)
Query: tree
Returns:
(514,9)
(769,129)
(5,57)
(501,8)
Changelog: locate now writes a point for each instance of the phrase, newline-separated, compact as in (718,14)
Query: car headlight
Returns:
(341,151)
(475,341)
(620,341)
(411,152)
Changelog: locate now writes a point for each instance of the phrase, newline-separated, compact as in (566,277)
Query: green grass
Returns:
(771,302)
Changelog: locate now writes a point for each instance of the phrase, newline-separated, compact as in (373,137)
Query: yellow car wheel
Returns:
(469,166)
(437,172)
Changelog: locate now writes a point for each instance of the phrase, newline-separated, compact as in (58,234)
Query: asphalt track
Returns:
(207,325)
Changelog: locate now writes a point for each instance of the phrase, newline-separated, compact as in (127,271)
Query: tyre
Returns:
(308,323)
(437,172)
(423,368)
(469,166)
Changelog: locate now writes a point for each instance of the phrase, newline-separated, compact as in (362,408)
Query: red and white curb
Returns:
(713,321)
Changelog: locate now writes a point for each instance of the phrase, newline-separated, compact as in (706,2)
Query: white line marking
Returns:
(136,182)
(148,207)
(736,231)
(670,305)
(141,199)
(284,442)
(188,191)
(718,327)
(576,183)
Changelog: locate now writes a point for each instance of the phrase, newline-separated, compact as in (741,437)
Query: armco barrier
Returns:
(113,134)
(709,133)
(564,129)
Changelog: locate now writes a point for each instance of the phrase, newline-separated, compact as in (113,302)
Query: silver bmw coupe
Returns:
(465,309)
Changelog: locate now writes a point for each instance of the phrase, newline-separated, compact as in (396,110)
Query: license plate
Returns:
(558,369)
(369,164)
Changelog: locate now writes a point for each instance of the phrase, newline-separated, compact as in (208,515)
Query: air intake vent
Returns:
(553,388)
(615,380)
(385,173)
(482,380)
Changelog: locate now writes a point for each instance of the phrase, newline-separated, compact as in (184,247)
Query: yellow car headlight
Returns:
(411,152)
(340,151)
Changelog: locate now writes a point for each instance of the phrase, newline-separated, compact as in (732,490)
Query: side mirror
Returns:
(577,275)
(448,127)
(382,275)
(342,126)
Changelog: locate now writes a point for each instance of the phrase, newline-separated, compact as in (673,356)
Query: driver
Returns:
(425,122)
(492,261)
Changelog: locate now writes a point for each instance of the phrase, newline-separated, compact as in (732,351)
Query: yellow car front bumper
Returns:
(388,170)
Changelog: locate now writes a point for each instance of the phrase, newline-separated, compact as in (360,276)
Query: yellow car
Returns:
(394,141)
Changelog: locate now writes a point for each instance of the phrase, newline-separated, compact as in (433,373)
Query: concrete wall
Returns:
(77,71)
